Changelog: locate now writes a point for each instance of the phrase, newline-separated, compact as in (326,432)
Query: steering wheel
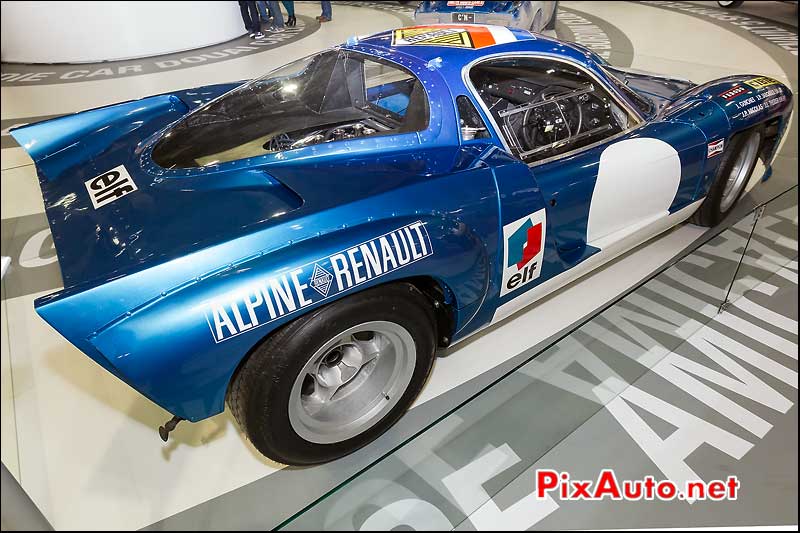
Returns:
(544,124)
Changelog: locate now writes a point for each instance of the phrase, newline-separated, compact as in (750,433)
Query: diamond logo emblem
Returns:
(321,280)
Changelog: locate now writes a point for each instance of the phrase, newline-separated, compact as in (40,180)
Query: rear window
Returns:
(329,97)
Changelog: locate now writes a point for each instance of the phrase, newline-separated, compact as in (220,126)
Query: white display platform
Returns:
(88,32)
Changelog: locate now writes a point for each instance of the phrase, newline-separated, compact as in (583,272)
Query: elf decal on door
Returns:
(522,251)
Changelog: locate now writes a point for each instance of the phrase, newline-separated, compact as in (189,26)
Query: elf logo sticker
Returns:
(110,186)
(523,251)
(716,148)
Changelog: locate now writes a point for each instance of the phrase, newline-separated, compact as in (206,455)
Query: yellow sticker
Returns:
(427,36)
(760,83)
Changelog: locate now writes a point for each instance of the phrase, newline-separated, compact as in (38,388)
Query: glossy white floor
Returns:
(84,446)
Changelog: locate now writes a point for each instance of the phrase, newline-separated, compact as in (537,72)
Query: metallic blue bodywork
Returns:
(139,274)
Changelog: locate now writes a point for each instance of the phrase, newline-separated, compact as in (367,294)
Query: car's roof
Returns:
(463,43)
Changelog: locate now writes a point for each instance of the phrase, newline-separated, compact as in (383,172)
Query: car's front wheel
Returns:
(735,169)
(332,381)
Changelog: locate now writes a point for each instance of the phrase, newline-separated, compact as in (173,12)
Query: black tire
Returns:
(711,212)
(730,5)
(260,391)
(551,24)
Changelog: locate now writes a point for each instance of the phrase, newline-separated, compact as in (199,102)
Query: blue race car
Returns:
(300,244)
(533,16)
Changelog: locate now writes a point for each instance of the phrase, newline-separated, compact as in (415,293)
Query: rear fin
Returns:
(61,143)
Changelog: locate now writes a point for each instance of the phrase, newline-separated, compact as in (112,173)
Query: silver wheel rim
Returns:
(738,176)
(351,382)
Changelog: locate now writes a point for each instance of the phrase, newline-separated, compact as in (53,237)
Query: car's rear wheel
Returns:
(330,382)
(735,169)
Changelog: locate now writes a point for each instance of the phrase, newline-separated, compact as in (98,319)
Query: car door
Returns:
(591,171)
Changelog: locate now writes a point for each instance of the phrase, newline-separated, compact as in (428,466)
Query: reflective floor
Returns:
(660,384)
(84,445)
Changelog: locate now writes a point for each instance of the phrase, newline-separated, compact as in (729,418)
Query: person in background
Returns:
(271,15)
(327,15)
(277,17)
(291,21)
(273,19)
(264,14)
(251,19)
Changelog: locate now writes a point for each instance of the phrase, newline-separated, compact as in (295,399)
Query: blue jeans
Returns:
(277,16)
(250,16)
(289,7)
(262,10)
(326,10)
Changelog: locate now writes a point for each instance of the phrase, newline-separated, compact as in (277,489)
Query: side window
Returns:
(388,87)
(547,108)
(333,96)
(397,94)
(470,121)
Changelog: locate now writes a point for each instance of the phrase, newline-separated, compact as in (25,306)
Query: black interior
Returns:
(546,108)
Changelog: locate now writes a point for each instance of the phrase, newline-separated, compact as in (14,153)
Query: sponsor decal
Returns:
(465,3)
(733,92)
(269,299)
(716,148)
(321,280)
(457,37)
(473,36)
(759,102)
(761,82)
(523,251)
(110,186)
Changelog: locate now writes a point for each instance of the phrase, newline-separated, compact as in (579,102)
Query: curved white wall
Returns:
(80,32)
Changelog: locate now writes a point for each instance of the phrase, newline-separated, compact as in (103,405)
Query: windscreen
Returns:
(620,78)
(332,96)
